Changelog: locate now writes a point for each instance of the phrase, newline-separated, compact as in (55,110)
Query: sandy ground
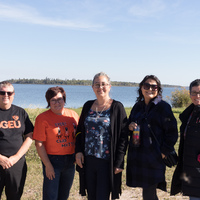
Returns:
(136,194)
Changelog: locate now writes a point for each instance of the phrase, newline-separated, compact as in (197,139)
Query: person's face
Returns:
(6,97)
(149,90)
(195,95)
(101,87)
(57,103)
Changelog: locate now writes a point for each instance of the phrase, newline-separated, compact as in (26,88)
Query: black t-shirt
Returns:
(14,124)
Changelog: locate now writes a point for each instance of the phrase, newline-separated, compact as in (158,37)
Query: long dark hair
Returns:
(153,77)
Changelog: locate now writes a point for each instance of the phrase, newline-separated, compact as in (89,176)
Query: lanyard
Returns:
(187,124)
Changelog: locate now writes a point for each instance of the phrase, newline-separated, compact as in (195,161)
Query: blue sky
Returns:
(127,39)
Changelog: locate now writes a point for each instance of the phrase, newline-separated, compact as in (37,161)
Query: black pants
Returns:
(150,193)
(13,179)
(97,173)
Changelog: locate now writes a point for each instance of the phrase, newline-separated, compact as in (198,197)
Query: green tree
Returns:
(180,98)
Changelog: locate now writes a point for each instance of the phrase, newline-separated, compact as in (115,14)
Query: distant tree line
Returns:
(65,82)
(51,81)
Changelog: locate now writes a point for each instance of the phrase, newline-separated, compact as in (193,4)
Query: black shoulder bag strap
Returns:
(149,126)
(172,158)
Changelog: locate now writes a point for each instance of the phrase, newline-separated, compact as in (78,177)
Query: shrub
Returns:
(180,98)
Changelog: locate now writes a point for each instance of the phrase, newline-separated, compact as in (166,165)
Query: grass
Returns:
(33,186)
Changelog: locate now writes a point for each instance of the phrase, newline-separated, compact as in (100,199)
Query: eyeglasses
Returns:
(147,86)
(98,85)
(54,101)
(192,93)
(8,93)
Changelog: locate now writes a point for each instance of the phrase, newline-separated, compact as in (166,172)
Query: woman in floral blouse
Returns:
(101,142)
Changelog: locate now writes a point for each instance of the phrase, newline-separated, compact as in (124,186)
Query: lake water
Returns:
(33,96)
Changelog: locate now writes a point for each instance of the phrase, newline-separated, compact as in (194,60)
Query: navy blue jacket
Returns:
(144,163)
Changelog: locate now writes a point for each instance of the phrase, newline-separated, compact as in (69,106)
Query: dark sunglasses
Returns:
(147,86)
(4,93)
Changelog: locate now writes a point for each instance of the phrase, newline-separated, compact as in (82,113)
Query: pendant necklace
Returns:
(98,114)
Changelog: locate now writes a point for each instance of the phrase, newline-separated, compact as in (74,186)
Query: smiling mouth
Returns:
(150,93)
(5,98)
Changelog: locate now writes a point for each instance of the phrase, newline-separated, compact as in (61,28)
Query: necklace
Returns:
(98,114)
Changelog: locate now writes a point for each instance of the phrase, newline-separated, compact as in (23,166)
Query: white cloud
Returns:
(27,14)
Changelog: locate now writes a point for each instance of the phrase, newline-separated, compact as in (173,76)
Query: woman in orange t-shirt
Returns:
(54,135)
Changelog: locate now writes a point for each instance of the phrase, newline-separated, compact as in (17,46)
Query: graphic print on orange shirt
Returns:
(66,134)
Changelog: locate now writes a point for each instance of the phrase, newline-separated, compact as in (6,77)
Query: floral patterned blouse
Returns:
(97,140)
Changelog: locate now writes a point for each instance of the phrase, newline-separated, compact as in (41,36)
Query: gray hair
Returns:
(101,74)
(6,84)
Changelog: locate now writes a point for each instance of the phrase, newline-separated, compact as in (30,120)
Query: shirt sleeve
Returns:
(28,124)
(39,132)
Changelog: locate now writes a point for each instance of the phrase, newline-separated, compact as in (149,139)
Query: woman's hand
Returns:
(163,156)
(80,159)
(132,126)
(50,173)
(118,170)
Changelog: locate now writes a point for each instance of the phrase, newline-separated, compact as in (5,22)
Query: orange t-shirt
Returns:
(57,132)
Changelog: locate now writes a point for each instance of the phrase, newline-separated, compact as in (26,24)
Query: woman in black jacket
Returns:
(101,142)
(145,167)
(186,178)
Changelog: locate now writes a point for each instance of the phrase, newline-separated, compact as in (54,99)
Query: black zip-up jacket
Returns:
(186,178)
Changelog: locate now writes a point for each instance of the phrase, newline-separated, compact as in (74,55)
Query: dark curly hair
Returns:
(153,77)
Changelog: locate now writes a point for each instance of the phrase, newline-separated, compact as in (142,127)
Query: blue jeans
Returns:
(59,187)
(194,198)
